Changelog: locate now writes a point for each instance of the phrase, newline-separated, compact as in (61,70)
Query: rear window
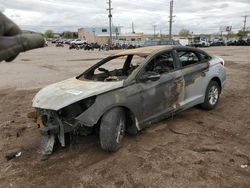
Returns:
(204,57)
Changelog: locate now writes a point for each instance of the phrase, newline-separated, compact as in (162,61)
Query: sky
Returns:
(198,16)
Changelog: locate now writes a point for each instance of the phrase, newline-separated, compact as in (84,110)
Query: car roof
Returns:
(143,51)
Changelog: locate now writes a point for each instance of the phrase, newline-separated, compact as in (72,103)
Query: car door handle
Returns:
(203,73)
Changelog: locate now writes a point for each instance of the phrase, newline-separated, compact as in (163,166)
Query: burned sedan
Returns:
(127,92)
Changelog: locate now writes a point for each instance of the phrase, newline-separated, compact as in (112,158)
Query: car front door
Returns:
(163,93)
(194,70)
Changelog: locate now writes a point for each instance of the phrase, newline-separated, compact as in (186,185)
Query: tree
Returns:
(75,35)
(49,34)
(184,32)
(231,35)
(67,35)
(242,34)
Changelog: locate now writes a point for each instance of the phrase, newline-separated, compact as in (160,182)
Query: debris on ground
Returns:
(20,131)
(14,153)
(244,166)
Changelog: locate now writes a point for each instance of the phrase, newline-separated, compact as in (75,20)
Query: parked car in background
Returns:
(59,44)
(67,41)
(230,42)
(160,42)
(78,42)
(218,43)
(241,42)
(127,92)
(54,41)
(199,42)
(248,41)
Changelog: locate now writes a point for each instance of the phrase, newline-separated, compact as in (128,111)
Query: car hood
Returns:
(62,94)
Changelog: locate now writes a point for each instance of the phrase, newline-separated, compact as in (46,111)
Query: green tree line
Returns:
(66,34)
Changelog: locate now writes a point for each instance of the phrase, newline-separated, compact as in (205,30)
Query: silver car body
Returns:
(145,102)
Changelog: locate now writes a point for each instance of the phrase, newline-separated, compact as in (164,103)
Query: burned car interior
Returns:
(188,58)
(118,68)
(114,68)
(161,64)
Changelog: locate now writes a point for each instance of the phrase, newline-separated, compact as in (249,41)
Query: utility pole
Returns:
(154,30)
(94,34)
(110,23)
(171,18)
(133,28)
(245,22)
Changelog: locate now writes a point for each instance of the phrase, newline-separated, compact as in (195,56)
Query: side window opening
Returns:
(188,58)
(112,65)
(161,64)
(115,69)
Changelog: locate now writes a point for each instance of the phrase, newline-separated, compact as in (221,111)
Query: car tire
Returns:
(212,96)
(112,129)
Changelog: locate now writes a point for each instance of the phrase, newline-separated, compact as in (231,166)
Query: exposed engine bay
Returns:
(58,123)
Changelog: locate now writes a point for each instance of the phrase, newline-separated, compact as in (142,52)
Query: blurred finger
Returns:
(10,47)
(8,27)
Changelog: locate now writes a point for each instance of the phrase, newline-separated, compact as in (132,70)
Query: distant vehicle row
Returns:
(199,42)
(196,42)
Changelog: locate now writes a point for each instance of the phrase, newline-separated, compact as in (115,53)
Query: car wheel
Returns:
(212,96)
(112,129)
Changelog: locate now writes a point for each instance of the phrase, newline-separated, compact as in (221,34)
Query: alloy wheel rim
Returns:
(121,131)
(213,95)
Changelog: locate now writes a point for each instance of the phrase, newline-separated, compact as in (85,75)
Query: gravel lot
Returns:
(196,149)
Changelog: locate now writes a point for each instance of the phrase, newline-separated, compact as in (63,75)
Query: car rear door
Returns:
(194,69)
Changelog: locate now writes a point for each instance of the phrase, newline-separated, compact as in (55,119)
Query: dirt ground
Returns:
(196,149)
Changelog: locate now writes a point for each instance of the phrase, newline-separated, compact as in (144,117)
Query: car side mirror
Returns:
(150,76)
